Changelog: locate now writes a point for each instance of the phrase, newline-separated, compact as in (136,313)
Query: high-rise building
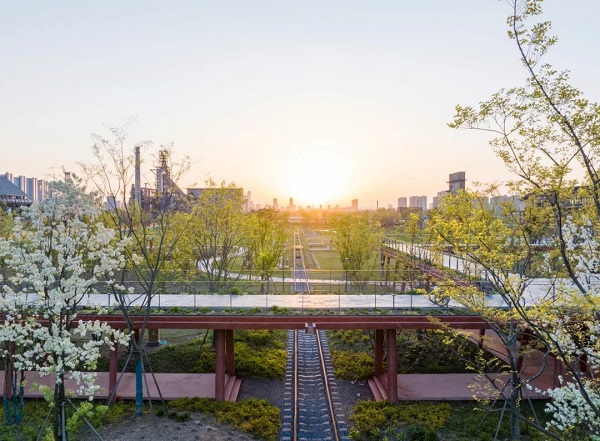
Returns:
(275,204)
(32,187)
(418,202)
(355,204)
(402,202)
(438,198)
(21,182)
(291,206)
(42,191)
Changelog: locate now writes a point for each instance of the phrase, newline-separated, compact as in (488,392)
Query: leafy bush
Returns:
(262,338)
(346,339)
(352,365)
(259,362)
(432,351)
(253,416)
(411,421)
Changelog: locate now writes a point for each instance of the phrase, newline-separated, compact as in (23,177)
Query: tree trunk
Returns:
(515,428)
(9,390)
(139,381)
(60,423)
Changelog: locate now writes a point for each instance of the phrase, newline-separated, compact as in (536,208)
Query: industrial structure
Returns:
(165,193)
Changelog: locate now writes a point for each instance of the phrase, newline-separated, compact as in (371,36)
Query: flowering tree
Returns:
(57,253)
(546,132)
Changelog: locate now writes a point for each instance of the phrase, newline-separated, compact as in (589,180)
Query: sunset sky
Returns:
(323,101)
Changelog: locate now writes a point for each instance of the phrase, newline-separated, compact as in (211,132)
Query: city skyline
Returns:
(322,102)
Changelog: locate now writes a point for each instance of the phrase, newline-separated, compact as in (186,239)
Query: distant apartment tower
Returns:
(42,190)
(291,206)
(247,202)
(402,202)
(436,199)
(418,202)
(21,182)
(32,188)
(354,204)
(456,182)
(275,204)
(497,201)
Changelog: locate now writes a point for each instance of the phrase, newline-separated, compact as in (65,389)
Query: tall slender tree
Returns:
(546,132)
(151,219)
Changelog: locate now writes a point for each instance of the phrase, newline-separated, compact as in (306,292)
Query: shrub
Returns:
(260,362)
(352,365)
(262,338)
(411,421)
(253,416)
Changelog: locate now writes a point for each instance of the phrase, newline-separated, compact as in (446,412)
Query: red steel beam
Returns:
(291,322)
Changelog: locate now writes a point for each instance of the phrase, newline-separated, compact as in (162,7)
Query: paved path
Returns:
(293,301)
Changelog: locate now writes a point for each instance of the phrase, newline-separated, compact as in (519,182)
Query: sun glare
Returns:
(317,175)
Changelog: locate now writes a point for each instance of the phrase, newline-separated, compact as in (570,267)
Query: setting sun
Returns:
(316,175)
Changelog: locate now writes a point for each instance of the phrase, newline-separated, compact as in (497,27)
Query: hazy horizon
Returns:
(320,101)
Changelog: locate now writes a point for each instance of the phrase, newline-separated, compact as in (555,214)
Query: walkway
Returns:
(172,386)
(470,386)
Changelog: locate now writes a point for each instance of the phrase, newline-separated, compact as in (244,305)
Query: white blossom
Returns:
(57,253)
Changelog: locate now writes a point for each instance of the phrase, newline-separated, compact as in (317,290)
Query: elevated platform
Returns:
(172,386)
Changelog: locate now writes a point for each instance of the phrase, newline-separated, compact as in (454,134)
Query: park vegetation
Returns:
(546,132)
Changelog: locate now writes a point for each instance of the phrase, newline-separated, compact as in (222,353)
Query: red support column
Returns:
(558,372)
(378,352)
(112,368)
(392,369)
(219,365)
(229,353)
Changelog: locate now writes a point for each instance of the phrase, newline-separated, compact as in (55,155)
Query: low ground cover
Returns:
(253,416)
(36,411)
(418,352)
(258,353)
(432,421)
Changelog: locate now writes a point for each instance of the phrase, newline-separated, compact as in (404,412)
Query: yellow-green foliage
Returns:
(260,362)
(253,416)
(262,338)
(349,339)
(372,419)
(352,365)
(260,353)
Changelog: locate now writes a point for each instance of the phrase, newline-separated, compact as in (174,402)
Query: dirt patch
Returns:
(199,427)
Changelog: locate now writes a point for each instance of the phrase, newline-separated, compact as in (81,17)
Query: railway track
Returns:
(312,408)
(299,271)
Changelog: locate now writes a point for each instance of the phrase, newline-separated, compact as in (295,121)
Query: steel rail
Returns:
(334,424)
